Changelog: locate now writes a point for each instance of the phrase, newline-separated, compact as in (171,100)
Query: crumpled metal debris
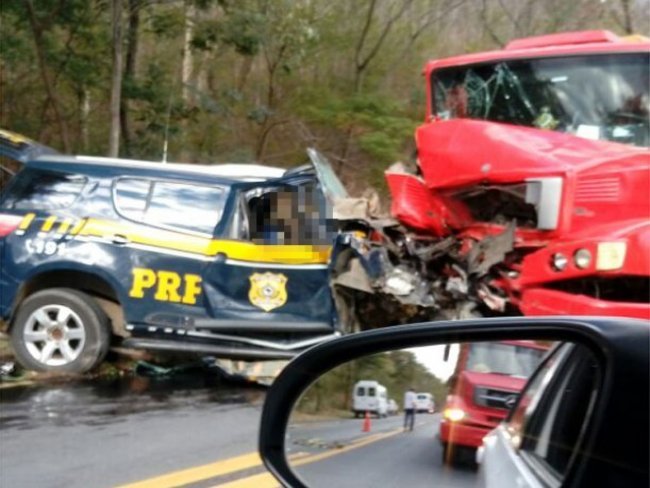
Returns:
(491,250)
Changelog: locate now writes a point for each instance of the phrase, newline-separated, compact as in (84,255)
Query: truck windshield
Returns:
(506,359)
(595,96)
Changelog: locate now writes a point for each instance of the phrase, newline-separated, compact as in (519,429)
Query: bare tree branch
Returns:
(45,76)
(487,26)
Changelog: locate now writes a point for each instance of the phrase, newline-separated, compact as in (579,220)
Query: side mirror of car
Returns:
(540,387)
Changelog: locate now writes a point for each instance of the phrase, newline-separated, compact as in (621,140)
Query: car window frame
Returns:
(563,377)
(152,182)
(548,374)
(9,187)
(553,377)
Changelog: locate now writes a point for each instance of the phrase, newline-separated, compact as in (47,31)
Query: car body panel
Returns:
(500,465)
(20,148)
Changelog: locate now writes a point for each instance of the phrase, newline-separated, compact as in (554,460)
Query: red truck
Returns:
(484,386)
(531,190)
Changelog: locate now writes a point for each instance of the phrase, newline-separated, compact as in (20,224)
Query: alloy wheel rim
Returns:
(54,335)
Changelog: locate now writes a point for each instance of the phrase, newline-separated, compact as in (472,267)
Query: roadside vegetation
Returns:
(226,80)
(331,394)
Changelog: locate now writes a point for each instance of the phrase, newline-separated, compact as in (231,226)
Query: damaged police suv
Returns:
(223,260)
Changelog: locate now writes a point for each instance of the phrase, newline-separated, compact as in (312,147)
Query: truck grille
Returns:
(598,189)
(501,399)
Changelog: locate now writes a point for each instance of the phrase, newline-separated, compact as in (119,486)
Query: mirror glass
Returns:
(415,417)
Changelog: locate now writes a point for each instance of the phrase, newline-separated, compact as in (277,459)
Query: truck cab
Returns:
(530,191)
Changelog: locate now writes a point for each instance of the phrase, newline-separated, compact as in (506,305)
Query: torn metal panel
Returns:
(354,277)
(491,251)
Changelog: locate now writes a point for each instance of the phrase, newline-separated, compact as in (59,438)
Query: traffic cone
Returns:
(366,423)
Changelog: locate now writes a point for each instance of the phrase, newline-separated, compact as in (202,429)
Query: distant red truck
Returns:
(531,192)
(485,385)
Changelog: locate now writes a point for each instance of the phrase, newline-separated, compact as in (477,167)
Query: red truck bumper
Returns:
(540,301)
(462,434)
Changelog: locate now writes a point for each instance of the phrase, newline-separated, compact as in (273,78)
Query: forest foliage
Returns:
(244,80)
(396,370)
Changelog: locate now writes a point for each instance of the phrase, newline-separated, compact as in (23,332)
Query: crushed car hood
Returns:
(459,152)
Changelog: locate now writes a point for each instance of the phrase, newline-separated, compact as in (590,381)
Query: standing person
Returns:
(409,409)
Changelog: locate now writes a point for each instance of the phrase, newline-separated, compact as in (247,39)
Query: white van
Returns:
(424,403)
(369,396)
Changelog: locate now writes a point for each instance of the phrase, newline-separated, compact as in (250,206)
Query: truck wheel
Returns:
(60,330)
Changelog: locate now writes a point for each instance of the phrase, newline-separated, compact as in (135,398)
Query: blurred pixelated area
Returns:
(290,216)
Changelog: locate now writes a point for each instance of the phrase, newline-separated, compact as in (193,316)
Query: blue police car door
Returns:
(270,273)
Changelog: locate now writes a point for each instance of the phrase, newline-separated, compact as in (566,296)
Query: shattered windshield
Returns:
(492,357)
(596,97)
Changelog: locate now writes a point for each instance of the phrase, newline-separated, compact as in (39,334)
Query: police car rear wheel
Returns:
(60,330)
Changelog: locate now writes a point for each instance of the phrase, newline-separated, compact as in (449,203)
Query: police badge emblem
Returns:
(268,290)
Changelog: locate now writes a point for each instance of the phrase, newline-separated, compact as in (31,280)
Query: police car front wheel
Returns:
(60,329)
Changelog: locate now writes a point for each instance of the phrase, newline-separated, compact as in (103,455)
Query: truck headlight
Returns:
(559,261)
(582,258)
(454,414)
(610,255)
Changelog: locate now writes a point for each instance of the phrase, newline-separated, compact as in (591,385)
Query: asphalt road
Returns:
(386,456)
(104,434)
(194,431)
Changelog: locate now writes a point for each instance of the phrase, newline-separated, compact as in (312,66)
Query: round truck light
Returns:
(454,414)
(582,258)
(559,261)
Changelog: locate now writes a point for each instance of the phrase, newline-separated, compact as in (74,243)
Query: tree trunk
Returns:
(186,70)
(130,68)
(84,112)
(49,88)
(116,86)
(627,17)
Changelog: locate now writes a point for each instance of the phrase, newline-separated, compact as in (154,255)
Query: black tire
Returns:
(85,319)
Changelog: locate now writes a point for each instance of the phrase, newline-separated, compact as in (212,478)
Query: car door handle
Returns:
(120,239)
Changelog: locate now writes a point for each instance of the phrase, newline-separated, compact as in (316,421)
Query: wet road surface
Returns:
(109,433)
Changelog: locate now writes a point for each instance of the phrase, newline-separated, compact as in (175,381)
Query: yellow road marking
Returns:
(245,461)
(49,222)
(263,480)
(207,471)
(266,480)
(192,475)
